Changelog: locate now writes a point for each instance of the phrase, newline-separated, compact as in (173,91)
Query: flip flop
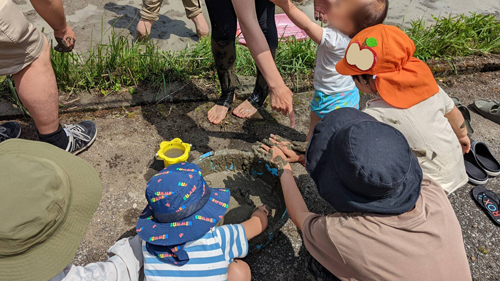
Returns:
(466,114)
(485,158)
(489,201)
(476,174)
(489,109)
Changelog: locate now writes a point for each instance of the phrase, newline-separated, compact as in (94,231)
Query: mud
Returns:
(252,181)
(247,193)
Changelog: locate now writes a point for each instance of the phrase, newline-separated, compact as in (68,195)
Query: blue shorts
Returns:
(322,104)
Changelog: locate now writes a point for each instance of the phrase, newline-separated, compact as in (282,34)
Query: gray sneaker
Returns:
(9,130)
(81,136)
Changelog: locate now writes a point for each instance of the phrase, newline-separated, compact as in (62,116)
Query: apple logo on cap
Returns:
(362,56)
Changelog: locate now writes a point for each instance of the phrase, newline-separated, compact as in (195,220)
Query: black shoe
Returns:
(485,158)
(81,136)
(9,130)
(477,175)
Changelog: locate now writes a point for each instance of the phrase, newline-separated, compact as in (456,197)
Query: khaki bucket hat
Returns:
(47,198)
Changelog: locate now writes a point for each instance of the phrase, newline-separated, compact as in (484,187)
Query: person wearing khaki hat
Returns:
(47,199)
(380,59)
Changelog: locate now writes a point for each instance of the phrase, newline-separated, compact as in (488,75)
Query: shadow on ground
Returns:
(162,29)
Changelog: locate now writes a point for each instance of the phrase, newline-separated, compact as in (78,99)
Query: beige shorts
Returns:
(20,42)
(151,8)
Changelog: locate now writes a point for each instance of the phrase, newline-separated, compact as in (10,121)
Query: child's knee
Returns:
(239,270)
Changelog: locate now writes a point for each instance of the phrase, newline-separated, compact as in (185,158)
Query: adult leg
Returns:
(194,13)
(265,13)
(37,88)
(239,270)
(149,14)
(223,20)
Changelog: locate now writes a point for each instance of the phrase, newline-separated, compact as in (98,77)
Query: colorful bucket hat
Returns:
(181,207)
(362,165)
(387,52)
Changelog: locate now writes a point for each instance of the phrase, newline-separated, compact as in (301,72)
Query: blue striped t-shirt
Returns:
(209,256)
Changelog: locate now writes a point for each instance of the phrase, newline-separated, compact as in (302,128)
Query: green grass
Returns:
(122,64)
(462,35)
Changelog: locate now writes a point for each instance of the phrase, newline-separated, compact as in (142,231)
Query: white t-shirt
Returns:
(430,136)
(330,51)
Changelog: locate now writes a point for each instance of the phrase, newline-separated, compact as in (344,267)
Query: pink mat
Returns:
(286,29)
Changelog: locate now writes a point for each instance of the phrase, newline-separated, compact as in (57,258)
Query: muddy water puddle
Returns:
(247,193)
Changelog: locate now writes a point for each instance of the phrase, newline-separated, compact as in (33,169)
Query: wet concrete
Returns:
(173,31)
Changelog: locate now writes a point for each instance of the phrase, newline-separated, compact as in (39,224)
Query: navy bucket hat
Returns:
(362,165)
(181,208)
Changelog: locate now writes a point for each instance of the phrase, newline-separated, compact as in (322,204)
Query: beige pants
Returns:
(151,8)
(20,42)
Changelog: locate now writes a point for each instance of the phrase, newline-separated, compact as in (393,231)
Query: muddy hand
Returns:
(263,208)
(66,40)
(274,155)
(299,146)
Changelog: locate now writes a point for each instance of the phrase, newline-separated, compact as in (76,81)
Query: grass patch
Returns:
(122,63)
(462,35)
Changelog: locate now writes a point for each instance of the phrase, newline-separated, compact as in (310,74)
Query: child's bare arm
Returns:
(314,31)
(457,122)
(257,223)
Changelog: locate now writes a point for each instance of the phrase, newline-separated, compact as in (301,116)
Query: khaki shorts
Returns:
(151,8)
(20,42)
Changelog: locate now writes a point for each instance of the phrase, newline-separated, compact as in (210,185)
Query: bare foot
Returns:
(217,114)
(245,110)
(201,25)
(143,30)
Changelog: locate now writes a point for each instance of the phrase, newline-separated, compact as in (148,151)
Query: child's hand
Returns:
(263,209)
(465,143)
(282,3)
(288,148)
(272,154)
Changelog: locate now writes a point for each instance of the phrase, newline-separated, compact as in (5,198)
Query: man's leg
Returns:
(37,88)
(265,12)
(194,13)
(149,14)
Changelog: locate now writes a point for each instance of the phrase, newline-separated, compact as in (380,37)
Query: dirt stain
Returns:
(419,153)
(434,155)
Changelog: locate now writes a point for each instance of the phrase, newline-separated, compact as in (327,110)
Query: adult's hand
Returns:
(321,9)
(282,101)
(66,40)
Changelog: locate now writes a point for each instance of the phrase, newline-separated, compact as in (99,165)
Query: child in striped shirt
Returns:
(180,241)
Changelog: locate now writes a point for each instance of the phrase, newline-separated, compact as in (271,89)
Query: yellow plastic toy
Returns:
(173,152)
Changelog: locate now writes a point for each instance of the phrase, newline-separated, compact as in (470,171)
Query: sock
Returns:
(58,138)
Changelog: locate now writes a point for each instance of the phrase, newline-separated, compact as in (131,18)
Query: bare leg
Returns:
(314,120)
(37,89)
(239,270)
(143,30)
(201,25)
